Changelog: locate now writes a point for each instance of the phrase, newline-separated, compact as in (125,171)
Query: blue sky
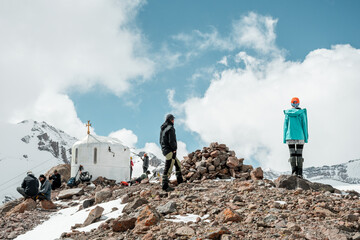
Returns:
(226,69)
(302,27)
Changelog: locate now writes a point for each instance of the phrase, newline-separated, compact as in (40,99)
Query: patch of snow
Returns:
(339,185)
(62,220)
(281,202)
(187,218)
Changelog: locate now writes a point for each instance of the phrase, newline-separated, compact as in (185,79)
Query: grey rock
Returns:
(169,207)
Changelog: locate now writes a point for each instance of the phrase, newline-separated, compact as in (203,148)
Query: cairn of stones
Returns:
(215,161)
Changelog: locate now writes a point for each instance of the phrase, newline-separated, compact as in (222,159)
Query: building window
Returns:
(95,155)
(76,155)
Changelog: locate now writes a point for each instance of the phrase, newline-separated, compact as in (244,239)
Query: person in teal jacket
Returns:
(296,135)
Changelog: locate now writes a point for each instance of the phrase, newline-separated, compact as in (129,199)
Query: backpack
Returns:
(72,182)
(85,177)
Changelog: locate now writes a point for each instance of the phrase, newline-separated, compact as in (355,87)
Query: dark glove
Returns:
(174,155)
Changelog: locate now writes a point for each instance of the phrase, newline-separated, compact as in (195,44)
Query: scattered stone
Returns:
(88,202)
(104,194)
(130,207)
(26,205)
(123,224)
(185,231)
(229,216)
(169,207)
(69,193)
(257,174)
(47,205)
(94,215)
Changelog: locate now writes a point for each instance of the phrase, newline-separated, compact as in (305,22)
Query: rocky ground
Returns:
(246,207)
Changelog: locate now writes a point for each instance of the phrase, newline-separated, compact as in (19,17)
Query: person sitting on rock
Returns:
(296,135)
(45,189)
(169,147)
(29,187)
(56,177)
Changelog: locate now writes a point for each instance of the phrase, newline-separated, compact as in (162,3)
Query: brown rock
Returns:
(185,231)
(123,224)
(63,169)
(322,212)
(216,233)
(102,195)
(148,217)
(229,216)
(232,162)
(93,215)
(246,168)
(214,154)
(257,174)
(68,193)
(26,205)
(134,205)
(47,204)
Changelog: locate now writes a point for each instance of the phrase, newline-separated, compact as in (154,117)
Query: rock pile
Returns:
(217,161)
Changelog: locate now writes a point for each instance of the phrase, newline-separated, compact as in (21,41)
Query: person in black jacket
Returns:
(29,187)
(56,177)
(169,146)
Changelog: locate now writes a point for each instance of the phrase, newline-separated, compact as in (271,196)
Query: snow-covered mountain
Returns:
(38,146)
(348,172)
(29,145)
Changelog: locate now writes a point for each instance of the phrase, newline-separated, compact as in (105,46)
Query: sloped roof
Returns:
(89,139)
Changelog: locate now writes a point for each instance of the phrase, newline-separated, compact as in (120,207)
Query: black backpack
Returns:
(85,177)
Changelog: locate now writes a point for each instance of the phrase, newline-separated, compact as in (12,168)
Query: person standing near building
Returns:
(131,167)
(169,147)
(30,186)
(145,159)
(296,135)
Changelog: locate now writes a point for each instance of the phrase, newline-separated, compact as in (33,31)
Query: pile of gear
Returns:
(215,161)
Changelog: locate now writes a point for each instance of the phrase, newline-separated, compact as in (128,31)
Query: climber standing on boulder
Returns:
(296,134)
(169,146)
(30,186)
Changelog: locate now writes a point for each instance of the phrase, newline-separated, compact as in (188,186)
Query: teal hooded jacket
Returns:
(296,125)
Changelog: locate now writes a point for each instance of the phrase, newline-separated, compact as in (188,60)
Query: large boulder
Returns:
(292,182)
(169,207)
(147,217)
(123,224)
(68,193)
(257,174)
(8,206)
(130,207)
(63,169)
(27,205)
(93,215)
(102,195)
(47,205)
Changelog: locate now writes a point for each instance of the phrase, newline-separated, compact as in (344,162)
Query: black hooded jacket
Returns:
(30,185)
(168,138)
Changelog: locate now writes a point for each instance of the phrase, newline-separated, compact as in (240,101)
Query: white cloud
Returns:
(223,61)
(243,107)
(250,31)
(49,48)
(125,136)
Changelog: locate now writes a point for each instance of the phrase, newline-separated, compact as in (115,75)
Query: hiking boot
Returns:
(300,173)
(179,178)
(165,184)
(294,168)
(169,189)
(299,163)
